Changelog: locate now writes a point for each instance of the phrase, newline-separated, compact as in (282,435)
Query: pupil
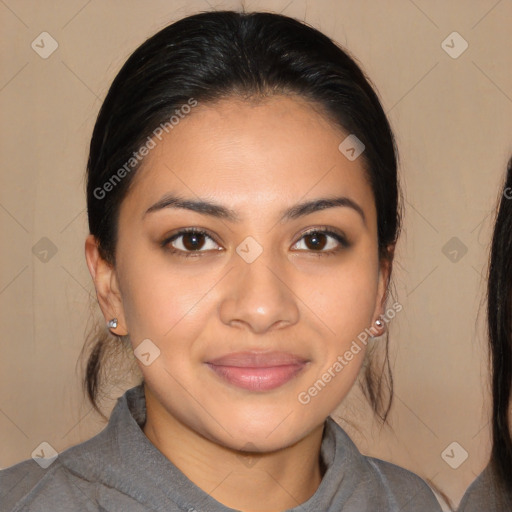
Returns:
(193,241)
(316,241)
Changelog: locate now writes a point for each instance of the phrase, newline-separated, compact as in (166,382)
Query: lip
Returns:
(258,371)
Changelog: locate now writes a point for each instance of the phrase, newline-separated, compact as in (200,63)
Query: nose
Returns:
(258,297)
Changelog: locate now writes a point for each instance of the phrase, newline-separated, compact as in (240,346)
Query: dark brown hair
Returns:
(499,313)
(215,55)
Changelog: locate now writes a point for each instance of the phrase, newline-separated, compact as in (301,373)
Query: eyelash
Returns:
(341,239)
(186,254)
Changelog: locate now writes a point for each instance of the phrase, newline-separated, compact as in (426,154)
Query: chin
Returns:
(266,431)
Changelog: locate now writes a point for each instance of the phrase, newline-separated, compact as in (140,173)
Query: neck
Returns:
(284,478)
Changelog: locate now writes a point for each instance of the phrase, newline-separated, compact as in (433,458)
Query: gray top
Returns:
(119,469)
(484,494)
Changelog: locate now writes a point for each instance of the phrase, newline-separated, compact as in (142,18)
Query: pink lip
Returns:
(257,371)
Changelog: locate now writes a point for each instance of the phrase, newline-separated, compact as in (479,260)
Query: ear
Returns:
(107,288)
(385,267)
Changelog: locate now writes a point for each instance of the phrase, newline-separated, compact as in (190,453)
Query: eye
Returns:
(189,241)
(320,240)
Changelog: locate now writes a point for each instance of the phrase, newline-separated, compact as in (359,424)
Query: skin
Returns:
(258,159)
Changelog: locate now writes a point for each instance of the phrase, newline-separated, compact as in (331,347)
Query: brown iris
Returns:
(315,241)
(193,241)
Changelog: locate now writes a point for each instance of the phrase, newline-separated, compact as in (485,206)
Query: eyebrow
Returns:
(200,206)
(316,205)
(215,210)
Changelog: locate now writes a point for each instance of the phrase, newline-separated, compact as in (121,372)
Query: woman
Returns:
(243,211)
(492,490)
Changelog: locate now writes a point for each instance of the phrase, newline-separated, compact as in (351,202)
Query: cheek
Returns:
(343,306)
(160,301)
(345,299)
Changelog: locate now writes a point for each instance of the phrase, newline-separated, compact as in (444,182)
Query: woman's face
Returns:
(255,308)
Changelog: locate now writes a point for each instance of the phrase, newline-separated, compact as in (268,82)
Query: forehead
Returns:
(275,150)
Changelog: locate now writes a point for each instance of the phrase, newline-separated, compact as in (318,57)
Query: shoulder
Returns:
(70,479)
(406,488)
(485,494)
(80,478)
(379,485)
(54,488)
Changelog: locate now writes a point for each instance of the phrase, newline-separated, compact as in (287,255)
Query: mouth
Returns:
(257,371)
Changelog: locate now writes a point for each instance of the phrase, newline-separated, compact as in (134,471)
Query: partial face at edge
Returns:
(316,284)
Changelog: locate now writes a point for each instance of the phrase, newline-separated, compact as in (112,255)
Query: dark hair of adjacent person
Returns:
(225,54)
(499,313)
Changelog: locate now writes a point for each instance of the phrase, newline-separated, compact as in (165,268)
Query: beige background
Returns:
(452,118)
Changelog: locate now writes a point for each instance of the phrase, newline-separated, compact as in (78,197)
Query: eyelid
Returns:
(338,235)
(185,231)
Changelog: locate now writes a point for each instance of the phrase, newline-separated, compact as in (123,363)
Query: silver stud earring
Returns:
(379,323)
(112,324)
